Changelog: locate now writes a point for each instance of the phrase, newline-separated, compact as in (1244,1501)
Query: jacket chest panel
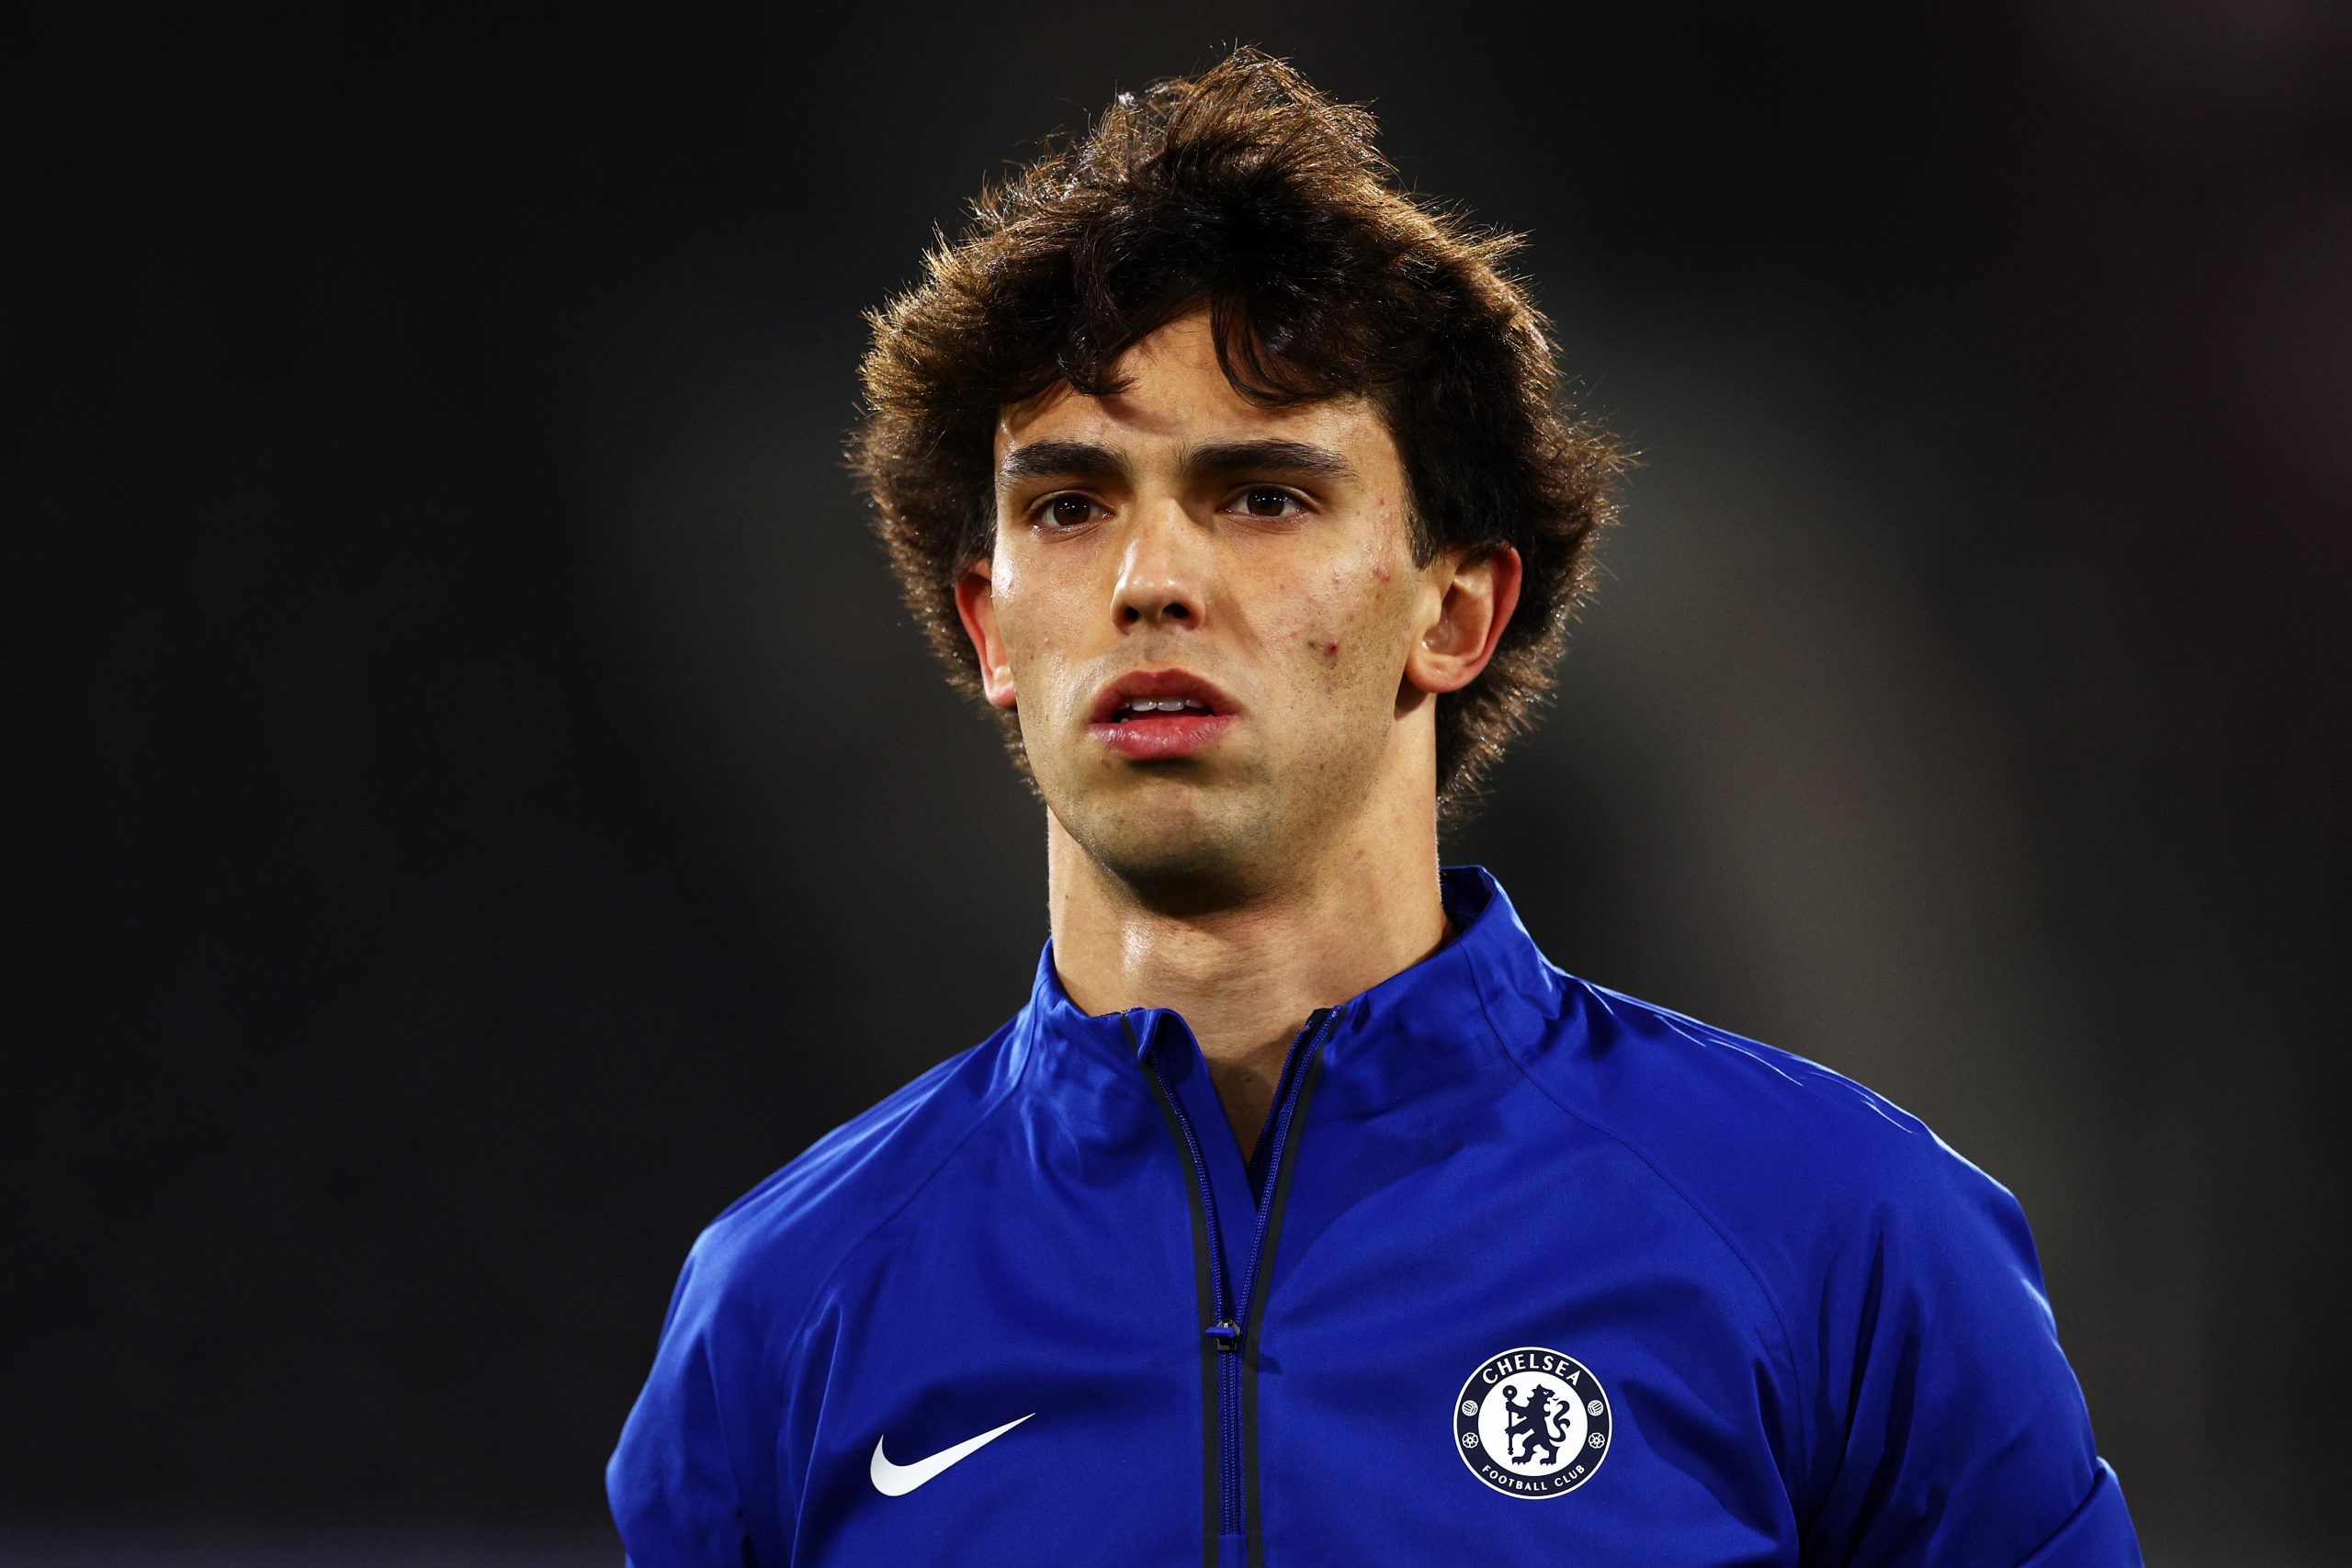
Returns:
(1088,1453)
(1061,1300)
(1420,1248)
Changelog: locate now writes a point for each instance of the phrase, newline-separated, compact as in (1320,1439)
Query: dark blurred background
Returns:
(479,805)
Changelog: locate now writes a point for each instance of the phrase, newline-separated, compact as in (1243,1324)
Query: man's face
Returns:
(1176,531)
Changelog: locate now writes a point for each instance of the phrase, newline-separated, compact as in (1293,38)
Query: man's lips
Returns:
(1152,736)
(1135,715)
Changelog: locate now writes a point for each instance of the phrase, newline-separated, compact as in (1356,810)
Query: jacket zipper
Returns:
(1232,1320)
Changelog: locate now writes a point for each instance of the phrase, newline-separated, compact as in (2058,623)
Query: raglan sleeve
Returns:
(676,1483)
(1951,1429)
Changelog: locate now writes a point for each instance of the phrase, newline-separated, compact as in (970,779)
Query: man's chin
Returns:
(1174,848)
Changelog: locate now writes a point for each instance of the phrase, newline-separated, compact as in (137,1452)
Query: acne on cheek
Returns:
(1347,587)
(1327,637)
(1325,640)
(1321,637)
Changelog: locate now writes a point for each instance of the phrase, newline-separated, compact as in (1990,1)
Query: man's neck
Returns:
(1244,976)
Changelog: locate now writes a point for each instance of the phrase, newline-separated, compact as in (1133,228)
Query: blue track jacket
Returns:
(1523,1271)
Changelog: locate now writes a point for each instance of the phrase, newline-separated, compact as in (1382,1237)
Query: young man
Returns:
(1306,1213)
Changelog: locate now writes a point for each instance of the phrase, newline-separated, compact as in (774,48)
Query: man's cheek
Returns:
(1342,648)
(1029,648)
(1324,638)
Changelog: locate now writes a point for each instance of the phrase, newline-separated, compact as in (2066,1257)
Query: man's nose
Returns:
(1163,569)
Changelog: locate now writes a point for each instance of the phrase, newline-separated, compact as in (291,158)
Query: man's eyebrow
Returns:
(1267,456)
(1087,460)
(1060,459)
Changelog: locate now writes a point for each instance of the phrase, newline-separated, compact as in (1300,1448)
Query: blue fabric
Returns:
(1822,1335)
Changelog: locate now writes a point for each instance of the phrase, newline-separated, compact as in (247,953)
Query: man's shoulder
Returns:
(1789,1159)
(1904,1280)
(771,1248)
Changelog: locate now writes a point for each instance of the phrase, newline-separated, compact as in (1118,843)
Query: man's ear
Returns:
(1475,597)
(975,608)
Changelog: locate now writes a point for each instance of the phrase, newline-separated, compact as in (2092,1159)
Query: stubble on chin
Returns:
(1174,853)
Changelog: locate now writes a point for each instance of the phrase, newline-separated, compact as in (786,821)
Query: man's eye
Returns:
(1066,510)
(1264,500)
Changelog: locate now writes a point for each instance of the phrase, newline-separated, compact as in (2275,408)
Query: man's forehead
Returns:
(1147,432)
(1177,394)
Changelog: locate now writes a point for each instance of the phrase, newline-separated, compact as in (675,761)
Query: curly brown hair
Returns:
(1244,189)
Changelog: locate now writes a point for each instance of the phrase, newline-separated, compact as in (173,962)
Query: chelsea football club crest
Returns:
(1531,1422)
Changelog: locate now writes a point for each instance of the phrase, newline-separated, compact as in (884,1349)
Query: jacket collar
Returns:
(1487,984)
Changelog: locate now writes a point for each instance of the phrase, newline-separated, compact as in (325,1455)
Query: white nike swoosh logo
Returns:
(898,1479)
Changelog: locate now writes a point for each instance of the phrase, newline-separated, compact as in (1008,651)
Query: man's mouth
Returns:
(1157,714)
(1144,707)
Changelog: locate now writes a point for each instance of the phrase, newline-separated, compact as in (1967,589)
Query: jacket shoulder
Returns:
(1795,1165)
(1897,1271)
(688,1476)
(1905,1281)
(771,1248)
